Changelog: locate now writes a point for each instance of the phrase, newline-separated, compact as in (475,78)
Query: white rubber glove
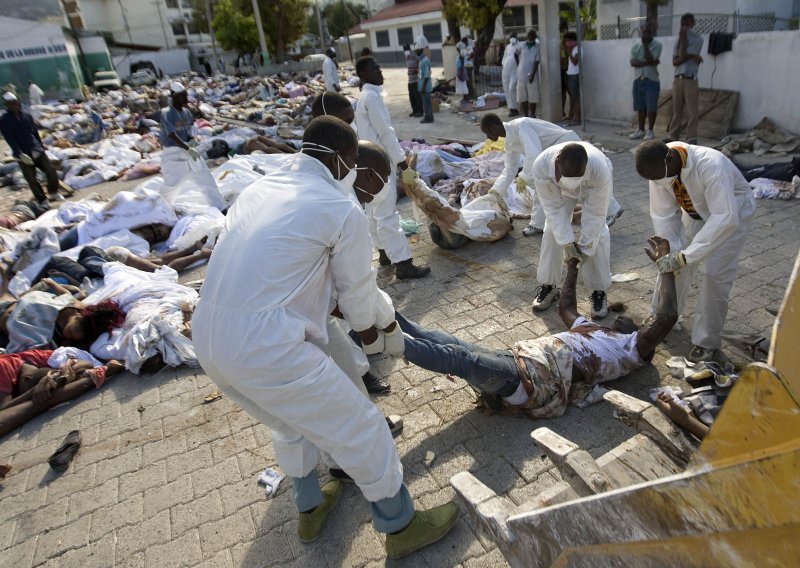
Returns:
(395,342)
(408,176)
(572,251)
(194,154)
(26,159)
(673,262)
(374,348)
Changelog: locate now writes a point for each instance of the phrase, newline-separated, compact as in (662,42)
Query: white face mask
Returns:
(513,41)
(571,183)
(407,52)
(349,178)
(666,181)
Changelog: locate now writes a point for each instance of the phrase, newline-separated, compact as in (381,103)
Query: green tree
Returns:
(234,30)
(199,14)
(478,15)
(588,17)
(284,21)
(343,15)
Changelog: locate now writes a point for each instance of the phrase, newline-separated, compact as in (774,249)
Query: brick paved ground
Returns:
(163,479)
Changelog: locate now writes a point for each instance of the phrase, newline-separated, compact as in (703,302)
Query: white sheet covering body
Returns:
(291,242)
(559,202)
(374,124)
(722,197)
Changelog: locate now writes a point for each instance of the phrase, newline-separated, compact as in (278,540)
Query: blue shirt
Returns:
(181,122)
(20,132)
(424,73)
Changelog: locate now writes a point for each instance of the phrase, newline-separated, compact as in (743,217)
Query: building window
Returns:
(382,38)
(193,29)
(186,4)
(432,32)
(535,16)
(177,28)
(172,3)
(514,17)
(405,36)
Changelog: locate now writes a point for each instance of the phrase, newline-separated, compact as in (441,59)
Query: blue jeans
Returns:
(490,371)
(427,106)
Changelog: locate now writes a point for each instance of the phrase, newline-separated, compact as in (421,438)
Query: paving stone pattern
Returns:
(163,479)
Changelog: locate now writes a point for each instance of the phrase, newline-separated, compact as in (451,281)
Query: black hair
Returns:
(332,104)
(649,155)
(361,64)
(100,318)
(688,16)
(491,119)
(331,132)
(372,155)
(572,157)
(571,35)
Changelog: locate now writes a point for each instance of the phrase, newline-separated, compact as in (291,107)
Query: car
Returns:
(106,81)
(143,77)
(320,57)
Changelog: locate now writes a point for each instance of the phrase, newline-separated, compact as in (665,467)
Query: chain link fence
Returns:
(704,24)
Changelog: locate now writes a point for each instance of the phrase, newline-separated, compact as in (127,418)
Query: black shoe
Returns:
(668,139)
(62,457)
(426,121)
(383,260)
(374,384)
(513,112)
(406,269)
(416,115)
(599,304)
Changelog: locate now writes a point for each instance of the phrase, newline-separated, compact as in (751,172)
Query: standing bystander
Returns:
(510,75)
(573,78)
(424,81)
(644,60)
(685,91)
(528,75)
(412,64)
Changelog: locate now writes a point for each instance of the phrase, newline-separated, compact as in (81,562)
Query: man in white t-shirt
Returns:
(573,78)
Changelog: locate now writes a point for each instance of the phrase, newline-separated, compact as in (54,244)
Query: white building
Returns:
(622,18)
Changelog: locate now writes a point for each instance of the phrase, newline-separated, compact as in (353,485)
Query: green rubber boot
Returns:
(425,528)
(311,524)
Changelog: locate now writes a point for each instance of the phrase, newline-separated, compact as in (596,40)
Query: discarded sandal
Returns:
(63,456)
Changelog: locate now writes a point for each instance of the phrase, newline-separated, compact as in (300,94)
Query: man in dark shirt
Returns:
(19,130)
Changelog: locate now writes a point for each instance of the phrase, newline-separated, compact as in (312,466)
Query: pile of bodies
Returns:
(115,135)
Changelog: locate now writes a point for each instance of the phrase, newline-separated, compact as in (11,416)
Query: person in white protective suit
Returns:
(510,75)
(374,124)
(330,71)
(525,138)
(35,93)
(563,176)
(701,203)
(293,241)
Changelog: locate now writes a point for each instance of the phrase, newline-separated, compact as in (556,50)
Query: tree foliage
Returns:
(199,15)
(343,15)
(234,30)
(588,18)
(479,15)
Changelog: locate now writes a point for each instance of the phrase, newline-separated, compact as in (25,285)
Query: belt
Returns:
(689,77)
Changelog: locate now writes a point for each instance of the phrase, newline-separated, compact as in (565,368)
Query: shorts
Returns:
(528,92)
(645,95)
(574,86)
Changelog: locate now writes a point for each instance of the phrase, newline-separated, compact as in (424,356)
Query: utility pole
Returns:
(125,20)
(211,33)
(84,66)
(157,4)
(261,38)
(319,24)
(579,31)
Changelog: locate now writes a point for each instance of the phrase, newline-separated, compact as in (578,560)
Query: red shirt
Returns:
(11,363)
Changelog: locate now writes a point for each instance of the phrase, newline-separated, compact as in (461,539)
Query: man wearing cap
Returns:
(424,82)
(19,130)
(330,71)
(177,133)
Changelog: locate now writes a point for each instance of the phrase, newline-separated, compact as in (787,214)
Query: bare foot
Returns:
(680,415)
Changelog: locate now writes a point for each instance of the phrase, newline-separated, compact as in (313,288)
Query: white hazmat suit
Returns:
(330,74)
(292,242)
(723,200)
(510,75)
(374,124)
(525,140)
(559,202)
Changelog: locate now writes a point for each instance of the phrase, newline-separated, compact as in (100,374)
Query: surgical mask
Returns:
(374,171)
(407,52)
(365,192)
(349,178)
(666,181)
(571,183)
(513,41)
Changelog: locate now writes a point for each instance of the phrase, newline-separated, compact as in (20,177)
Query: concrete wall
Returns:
(143,21)
(762,68)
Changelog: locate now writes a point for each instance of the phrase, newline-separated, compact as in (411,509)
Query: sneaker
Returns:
(611,219)
(599,304)
(649,135)
(545,295)
(395,424)
(530,230)
(383,260)
(698,354)
(374,384)
(637,135)
(56,197)
(425,528)
(692,141)
(513,112)
(311,523)
(405,270)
